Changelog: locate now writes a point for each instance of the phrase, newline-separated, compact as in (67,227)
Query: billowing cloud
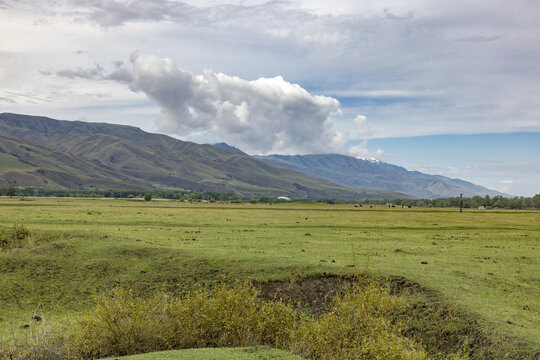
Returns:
(267,115)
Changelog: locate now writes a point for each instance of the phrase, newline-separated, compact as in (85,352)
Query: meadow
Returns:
(481,265)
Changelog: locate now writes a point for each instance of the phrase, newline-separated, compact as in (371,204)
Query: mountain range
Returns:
(42,152)
(358,173)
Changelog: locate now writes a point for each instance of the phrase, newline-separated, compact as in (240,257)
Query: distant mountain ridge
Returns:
(226,146)
(43,152)
(352,172)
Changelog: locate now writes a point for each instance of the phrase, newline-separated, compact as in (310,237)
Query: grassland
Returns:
(252,353)
(484,262)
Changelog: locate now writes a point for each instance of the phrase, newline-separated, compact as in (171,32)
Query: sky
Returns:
(443,87)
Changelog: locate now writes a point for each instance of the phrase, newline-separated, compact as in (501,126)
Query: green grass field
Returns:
(484,262)
(252,353)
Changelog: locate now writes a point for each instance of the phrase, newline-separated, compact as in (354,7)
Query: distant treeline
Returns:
(495,202)
(122,194)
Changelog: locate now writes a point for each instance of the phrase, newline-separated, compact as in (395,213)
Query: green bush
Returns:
(122,324)
(147,196)
(356,327)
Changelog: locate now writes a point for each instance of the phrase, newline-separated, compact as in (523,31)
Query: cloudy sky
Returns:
(446,87)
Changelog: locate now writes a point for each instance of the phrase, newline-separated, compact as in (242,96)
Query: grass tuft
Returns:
(19,236)
(40,343)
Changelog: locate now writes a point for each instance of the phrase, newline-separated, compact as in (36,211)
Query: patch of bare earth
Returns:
(441,327)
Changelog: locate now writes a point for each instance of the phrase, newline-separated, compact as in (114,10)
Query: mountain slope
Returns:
(25,164)
(352,172)
(226,146)
(126,154)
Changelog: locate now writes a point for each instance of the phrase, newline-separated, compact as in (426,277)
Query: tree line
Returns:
(495,202)
(120,194)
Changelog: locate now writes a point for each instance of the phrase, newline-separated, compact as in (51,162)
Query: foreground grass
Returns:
(485,262)
(250,353)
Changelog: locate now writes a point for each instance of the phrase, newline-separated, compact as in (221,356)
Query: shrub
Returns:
(229,317)
(122,324)
(18,237)
(147,196)
(20,233)
(119,325)
(356,327)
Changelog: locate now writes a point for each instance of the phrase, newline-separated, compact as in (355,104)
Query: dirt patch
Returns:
(312,294)
(441,327)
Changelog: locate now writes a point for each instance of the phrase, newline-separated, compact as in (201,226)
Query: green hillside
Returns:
(25,164)
(74,154)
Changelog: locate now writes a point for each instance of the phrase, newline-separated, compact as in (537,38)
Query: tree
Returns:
(536,201)
(148,197)
(11,191)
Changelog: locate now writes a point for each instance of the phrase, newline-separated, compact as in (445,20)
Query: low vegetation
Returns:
(357,326)
(19,236)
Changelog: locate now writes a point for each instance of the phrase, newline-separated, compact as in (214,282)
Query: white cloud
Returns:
(361,151)
(383,93)
(413,67)
(267,115)
(505,186)
(97,72)
(362,128)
